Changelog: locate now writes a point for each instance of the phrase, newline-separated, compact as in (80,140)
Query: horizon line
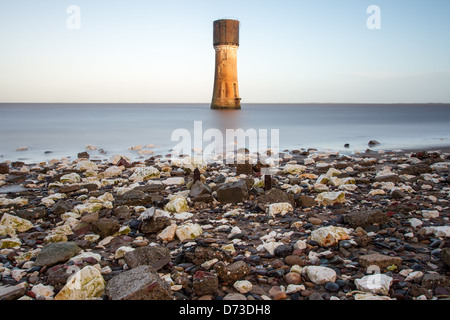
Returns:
(210,103)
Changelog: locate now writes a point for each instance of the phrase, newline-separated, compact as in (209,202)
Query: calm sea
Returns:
(51,131)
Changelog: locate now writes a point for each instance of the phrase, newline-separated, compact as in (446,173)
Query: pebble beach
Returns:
(326,226)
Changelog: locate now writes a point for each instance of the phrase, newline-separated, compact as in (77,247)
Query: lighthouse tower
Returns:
(226,44)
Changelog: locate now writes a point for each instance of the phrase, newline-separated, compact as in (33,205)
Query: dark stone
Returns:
(365,218)
(446,256)
(141,283)
(275,196)
(233,192)
(372,228)
(373,143)
(388,178)
(4,168)
(54,253)
(332,287)
(267,182)
(416,169)
(154,224)
(398,194)
(32,214)
(12,292)
(69,188)
(82,228)
(199,188)
(122,212)
(305,201)
(105,227)
(155,256)
(61,207)
(205,283)
(83,155)
(294,260)
(201,254)
(244,168)
(441,291)
(315,296)
(418,291)
(136,197)
(57,276)
(283,250)
(232,272)
(219,179)
(196,175)
(431,281)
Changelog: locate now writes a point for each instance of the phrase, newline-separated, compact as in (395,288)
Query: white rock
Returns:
(294,168)
(120,252)
(293,288)
(243,286)
(84,255)
(13,202)
(188,231)
(430,214)
(177,204)
(320,187)
(320,275)
(370,296)
(329,198)
(174,181)
(70,178)
(183,215)
(43,291)
(7,231)
(86,165)
(91,147)
(442,231)
(208,264)
(190,163)
(112,172)
(16,223)
(294,189)
(145,173)
(18,274)
(86,284)
(414,275)
(270,246)
(280,208)
(332,172)
(329,236)
(374,283)
(10,243)
(414,222)
(229,248)
(115,158)
(234,230)
(300,244)
(296,268)
(376,192)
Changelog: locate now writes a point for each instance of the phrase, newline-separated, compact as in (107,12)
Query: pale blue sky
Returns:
(161,51)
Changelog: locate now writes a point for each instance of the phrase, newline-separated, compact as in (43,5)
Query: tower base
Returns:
(226,104)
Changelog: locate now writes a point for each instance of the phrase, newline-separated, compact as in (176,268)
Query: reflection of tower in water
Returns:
(223,120)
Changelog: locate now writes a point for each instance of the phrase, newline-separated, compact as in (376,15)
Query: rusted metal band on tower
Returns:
(226,31)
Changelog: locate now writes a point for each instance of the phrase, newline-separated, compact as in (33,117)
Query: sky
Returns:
(298,51)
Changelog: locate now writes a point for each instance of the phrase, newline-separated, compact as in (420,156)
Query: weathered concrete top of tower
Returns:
(226,31)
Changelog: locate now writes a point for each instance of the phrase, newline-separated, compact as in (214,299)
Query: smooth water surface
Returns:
(59,130)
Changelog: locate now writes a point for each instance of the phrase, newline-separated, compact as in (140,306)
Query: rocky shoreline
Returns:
(369,226)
